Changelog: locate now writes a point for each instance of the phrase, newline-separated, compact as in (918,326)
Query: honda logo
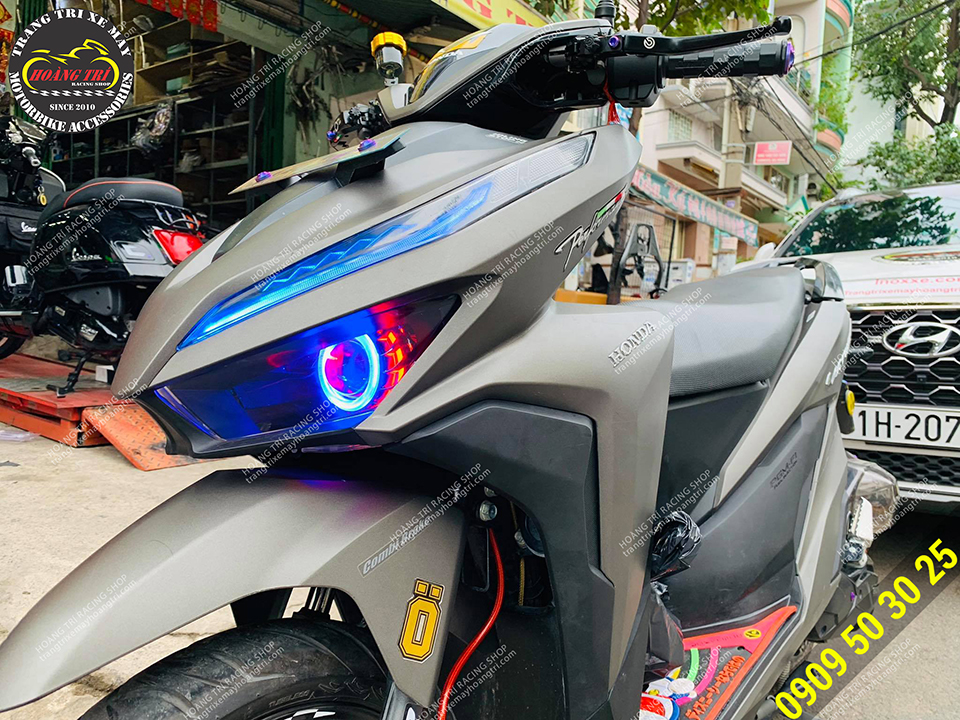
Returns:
(923,340)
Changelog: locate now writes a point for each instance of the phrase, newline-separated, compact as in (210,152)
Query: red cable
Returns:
(452,678)
(613,117)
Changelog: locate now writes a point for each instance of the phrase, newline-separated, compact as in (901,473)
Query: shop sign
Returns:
(693,205)
(772,153)
(486,13)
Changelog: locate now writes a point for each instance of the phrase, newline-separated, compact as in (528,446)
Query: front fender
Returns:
(223,539)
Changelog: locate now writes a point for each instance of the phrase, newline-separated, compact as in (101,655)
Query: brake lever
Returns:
(634,43)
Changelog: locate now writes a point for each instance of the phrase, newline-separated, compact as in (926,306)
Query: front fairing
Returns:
(542,233)
(315,212)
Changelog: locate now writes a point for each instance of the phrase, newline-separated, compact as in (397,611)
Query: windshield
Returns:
(920,217)
(472,51)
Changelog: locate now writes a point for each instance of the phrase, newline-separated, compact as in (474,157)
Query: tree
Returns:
(914,65)
(919,162)
(693,17)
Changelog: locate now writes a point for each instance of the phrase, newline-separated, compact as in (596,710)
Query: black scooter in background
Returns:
(81,264)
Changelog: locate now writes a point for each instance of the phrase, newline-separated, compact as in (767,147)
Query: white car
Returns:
(898,255)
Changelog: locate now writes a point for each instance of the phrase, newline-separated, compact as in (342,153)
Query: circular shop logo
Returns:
(921,257)
(71,70)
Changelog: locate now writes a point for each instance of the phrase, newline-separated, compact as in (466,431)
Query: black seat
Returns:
(734,330)
(115,189)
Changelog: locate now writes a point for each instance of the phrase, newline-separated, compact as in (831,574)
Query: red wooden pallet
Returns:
(27,404)
(135,435)
(89,416)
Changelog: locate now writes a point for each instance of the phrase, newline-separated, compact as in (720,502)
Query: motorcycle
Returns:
(476,484)
(81,264)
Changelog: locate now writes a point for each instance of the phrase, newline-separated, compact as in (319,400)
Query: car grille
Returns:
(915,468)
(876,375)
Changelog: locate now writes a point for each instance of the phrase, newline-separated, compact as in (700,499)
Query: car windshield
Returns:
(920,217)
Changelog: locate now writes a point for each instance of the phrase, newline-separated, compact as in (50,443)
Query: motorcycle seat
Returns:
(733,330)
(113,189)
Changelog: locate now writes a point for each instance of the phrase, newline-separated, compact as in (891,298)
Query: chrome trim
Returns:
(928,492)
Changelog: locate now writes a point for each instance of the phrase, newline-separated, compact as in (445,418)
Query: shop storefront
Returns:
(708,232)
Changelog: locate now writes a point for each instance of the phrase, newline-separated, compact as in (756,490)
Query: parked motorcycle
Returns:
(81,264)
(502,539)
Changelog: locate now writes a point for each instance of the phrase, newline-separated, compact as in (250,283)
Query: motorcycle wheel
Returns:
(9,345)
(275,670)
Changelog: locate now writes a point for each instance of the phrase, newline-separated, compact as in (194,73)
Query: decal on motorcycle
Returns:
(80,257)
(608,212)
(508,138)
(24,227)
(419,634)
(716,664)
(920,257)
(577,239)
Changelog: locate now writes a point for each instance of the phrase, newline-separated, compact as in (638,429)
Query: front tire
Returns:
(268,671)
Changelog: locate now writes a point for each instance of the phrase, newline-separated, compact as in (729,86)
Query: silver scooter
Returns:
(502,506)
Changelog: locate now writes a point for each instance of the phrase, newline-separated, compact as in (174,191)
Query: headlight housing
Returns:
(428,223)
(324,379)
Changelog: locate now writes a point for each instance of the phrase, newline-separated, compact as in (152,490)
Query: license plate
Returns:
(899,425)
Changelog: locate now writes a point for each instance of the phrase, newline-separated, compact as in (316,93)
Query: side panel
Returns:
(544,461)
(756,530)
(810,376)
(229,536)
(564,362)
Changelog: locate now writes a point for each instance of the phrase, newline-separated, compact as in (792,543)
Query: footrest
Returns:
(713,667)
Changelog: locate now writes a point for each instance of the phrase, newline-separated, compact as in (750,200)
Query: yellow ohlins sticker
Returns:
(419,634)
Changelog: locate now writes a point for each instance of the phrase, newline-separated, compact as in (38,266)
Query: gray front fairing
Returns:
(231,535)
(437,157)
(307,217)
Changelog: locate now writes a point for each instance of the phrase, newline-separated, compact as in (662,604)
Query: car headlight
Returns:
(324,379)
(426,224)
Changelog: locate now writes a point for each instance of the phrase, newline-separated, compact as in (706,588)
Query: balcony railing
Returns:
(801,82)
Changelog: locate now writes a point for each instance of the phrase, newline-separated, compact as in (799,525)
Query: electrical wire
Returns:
(475,643)
(874,36)
(761,107)
(803,134)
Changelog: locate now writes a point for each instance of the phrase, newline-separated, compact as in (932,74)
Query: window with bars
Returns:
(680,127)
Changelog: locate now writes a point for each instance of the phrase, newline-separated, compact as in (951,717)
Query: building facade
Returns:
(761,147)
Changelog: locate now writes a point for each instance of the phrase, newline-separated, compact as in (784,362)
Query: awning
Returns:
(485,13)
(691,204)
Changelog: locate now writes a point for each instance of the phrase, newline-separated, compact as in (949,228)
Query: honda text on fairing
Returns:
(497,516)
(897,253)
(81,264)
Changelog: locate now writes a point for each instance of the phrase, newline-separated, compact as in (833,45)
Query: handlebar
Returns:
(639,43)
(750,59)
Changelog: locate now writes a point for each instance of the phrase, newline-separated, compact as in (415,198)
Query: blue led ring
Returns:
(344,401)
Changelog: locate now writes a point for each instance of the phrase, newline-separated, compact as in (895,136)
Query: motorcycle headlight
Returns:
(428,223)
(324,379)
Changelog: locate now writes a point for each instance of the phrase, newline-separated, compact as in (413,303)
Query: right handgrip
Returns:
(747,59)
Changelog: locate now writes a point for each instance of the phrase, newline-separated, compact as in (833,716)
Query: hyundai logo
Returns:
(922,340)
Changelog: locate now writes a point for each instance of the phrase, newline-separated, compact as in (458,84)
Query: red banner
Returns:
(210,19)
(6,43)
(195,11)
